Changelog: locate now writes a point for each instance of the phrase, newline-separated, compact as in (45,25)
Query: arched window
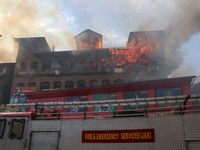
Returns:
(69,84)
(118,81)
(45,85)
(93,83)
(32,84)
(81,84)
(106,82)
(57,85)
(20,84)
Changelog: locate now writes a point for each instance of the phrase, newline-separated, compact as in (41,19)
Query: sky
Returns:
(60,20)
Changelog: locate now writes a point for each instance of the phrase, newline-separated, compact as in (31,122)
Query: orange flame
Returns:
(105,61)
(141,51)
(91,45)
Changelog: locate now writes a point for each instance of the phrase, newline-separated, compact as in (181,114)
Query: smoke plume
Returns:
(114,19)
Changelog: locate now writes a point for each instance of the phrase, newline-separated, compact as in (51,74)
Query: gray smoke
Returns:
(114,19)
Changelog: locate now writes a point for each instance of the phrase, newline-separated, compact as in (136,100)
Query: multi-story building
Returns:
(90,65)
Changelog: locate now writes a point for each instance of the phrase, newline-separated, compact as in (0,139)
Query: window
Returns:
(24,66)
(58,65)
(93,83)
(20,84)
(34,66)
(69,84)
(3,69)
(130,80)
(46,67)
(57,85)
(93,65)
(118,81)
(81,84)
(106,82)
(105,63)
(2,127)
(32,84)
(45,85)
(16,128)
(81,66)
(69,67)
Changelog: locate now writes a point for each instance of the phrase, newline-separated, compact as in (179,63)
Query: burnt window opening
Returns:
(57,85)
(93,83)
(24,66)
(20,84)
(81,84)
(34,66)
(81,65)
(45,85)
(106,82)
(58,65)
(93,65)
(69,66)
(32,84)
(16,129)
(119,81)
(105,63)
(46,66)
(2,127)
(69,84)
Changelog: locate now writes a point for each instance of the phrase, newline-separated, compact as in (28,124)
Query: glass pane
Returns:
(17,129)
(2,126)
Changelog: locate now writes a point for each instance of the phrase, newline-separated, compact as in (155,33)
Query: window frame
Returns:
(69,84)
(24,66)
(1,136)
(11,127)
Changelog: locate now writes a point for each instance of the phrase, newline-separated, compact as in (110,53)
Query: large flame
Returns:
(141,48)
(91,44)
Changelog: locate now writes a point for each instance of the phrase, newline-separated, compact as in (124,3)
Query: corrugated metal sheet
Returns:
(44,140)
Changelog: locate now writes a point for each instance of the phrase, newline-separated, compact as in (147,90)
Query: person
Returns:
(168,93)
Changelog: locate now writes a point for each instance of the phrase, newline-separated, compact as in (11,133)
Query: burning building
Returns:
(91,65)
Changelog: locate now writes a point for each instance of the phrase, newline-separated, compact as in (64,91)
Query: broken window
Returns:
(105,63)
(57,85)
(45,85)
(46,66)
(69,66)
(93,83)
(81,66)
(106,82)
(119,81)
(34,66)
(32,84)
(92,65)
(24,66)
(81,84)
(69,84)
(58,65)
(20,84)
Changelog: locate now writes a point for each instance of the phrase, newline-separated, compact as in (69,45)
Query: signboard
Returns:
(135,94)
(18,99)
(118,136)
(76,99)
(169,92)
(104,97)
(22,90)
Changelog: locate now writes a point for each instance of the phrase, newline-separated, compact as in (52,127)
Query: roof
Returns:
(89,32)
(135,86)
